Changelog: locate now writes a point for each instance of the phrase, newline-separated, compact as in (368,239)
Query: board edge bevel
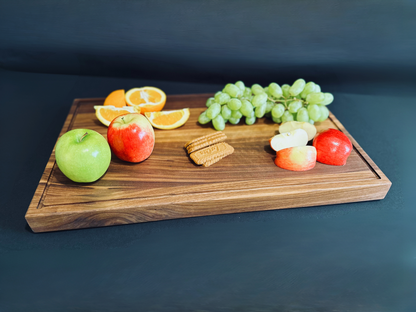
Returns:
(39,193)
(48,221)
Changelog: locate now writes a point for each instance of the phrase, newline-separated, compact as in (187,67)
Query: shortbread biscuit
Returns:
(213,161)
(218,150)
(205,143)
(205,137)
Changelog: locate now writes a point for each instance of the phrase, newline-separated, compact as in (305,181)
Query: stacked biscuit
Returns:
(209,149)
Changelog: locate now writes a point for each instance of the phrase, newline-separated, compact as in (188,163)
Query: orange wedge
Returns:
(116,99)
(168,119)
(106,114)
(149,99)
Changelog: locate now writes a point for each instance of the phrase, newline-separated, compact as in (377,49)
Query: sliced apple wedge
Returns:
(300,158)
(293,138)
(293,125)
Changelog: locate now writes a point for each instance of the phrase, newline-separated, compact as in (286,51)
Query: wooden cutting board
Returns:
(169,185)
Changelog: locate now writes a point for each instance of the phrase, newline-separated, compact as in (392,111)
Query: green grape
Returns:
(222,97)
(234,104)
(225,121)
(213,111)
(324,113)
(311,121)
(210,101)
(314,112)
(225,112)
(287,116)
(240,85)
(257,89)
(236,114)
(234,121)
(277,120)
(294,106)
(315,98)
(260,110)
(203,118)
(285,90)
(295,116)
(275,90)
(329,98)
(259,99)
(246,108)
(266,90)
(278,110)
(250,120)
(225,87)
(309,88)
(247,92)
(317,88)
(297,87)
(302,114)
(218,123)
(269,106)
(219,92)
(252,114)
(232,90)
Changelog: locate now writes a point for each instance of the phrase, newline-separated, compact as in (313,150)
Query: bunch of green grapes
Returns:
(301,102)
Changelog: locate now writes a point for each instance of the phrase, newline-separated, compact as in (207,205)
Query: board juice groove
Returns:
(168,185)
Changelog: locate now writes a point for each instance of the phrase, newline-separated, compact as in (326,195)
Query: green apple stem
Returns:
(85,134)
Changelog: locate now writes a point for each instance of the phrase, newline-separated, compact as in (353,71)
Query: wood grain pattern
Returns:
(169,185)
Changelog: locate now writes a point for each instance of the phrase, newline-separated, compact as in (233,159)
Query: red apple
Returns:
(333,147)
(131,137)
(299,158)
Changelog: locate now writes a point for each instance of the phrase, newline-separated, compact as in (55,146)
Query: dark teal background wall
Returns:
(211,41)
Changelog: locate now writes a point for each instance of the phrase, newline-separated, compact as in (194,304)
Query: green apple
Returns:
(83,155)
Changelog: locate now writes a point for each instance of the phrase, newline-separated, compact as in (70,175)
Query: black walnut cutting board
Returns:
(169,185)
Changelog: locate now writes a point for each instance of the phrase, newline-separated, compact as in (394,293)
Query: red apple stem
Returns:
(85,134)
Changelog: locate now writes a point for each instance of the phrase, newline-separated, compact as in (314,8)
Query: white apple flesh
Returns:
(293,125)
(293,138)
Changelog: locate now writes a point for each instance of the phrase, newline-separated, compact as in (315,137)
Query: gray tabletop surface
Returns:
(349,257)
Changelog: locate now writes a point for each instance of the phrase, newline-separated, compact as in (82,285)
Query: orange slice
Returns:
(149,99)
(168,119)
(116,98)
(106,114)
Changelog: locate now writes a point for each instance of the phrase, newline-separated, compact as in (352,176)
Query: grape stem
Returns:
(287,100)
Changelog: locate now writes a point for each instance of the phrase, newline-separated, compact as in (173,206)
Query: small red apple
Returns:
(300,158)
(333,147)
(131,137)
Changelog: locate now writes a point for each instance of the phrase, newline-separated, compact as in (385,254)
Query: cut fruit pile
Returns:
(106,114)
(145,100)
(331,146)
(168,119)
(292,153)
(149,99)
